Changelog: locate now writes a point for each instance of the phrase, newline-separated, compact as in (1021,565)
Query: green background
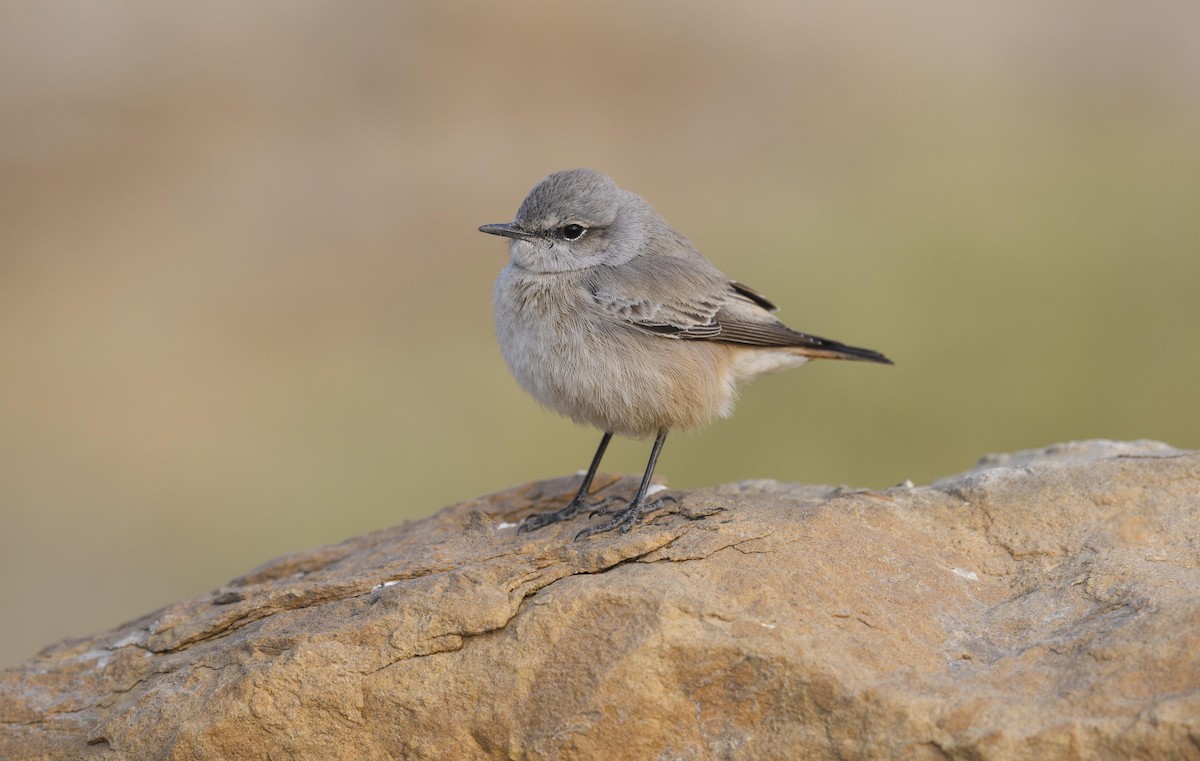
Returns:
(244,308)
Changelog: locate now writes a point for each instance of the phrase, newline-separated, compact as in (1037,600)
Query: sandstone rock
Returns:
(1045,605)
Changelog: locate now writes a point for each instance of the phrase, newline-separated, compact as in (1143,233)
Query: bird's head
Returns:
(575,219)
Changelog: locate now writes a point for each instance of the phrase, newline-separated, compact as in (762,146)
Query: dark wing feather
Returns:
(750,294)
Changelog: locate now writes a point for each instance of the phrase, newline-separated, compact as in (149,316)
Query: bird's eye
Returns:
(573,232)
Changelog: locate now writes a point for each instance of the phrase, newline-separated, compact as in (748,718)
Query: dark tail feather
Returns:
(772,334)
(823,348)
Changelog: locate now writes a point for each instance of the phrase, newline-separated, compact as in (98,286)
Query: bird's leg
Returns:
(534,522)
(627,518)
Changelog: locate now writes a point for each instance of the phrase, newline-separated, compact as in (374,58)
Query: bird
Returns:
(607,315)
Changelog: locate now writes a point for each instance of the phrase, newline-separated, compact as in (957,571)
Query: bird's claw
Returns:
(626,519)
(541,520)
(601,507)
(572,508)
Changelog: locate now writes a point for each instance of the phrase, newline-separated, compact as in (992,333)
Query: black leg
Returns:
(534,522)
(627,518)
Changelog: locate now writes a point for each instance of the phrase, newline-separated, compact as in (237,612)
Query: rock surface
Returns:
(1045,605)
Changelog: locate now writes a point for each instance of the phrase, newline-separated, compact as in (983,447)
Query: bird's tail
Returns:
(823,348)
(769,333)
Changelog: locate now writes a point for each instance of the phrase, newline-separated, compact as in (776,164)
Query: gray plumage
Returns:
(609,316)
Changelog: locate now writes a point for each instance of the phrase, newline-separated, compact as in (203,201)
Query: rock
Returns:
(1045,605)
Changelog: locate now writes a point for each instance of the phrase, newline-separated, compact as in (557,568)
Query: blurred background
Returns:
(244,308)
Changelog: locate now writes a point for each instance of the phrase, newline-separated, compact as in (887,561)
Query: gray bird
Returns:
(607,315)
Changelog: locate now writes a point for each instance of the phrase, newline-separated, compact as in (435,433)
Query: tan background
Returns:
(244,308)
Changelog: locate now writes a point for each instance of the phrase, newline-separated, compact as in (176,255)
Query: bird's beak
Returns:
(507,230)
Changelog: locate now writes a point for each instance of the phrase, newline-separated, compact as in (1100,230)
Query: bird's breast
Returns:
(541,324)
(579,362)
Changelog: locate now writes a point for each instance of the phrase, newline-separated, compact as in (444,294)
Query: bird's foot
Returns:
(573,508)
(627,518)
(541,520)
(603,506)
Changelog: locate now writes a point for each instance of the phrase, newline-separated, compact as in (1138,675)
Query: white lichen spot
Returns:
(135,637)
(968,575)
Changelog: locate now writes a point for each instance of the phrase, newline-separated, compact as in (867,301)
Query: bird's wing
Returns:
(687,298)
(670,296)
